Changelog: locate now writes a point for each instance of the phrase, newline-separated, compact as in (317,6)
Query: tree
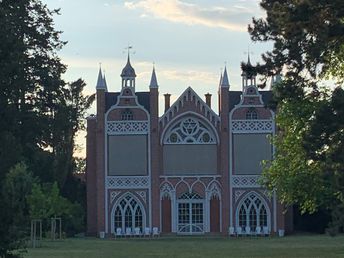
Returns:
(40,112)
(46,202)
(16,186)
(308,39)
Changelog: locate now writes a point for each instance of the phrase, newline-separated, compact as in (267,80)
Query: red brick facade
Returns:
(213,201)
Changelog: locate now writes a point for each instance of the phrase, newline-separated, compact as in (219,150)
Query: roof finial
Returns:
(225,81)
(154,81)
(101,83)
(248,55)
(128,49)
(221,71)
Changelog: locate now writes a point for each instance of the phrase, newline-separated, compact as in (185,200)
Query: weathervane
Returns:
(248,53)
(128,49)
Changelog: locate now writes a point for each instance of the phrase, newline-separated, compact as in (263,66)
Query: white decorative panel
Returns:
(238,193)
(127,127)
(190,130)
(245,181)
(114,194)
(213,191)
(252,126)
(142,194)
(130,182)
(166,190)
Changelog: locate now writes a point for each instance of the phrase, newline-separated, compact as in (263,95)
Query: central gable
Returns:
(189,101)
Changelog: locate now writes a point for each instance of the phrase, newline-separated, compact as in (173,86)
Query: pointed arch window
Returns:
(252,213)
(127,114)
(118,218)
(251,114)
(128,214)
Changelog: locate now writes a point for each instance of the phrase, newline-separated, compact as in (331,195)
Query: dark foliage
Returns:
(308,37)
(40,112)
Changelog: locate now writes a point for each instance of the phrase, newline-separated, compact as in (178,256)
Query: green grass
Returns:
(210,247)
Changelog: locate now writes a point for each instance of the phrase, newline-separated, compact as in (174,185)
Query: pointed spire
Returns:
(100,82)
(248,58)
(128,59)
(220,78)
(128,71)
(225,81)
(104,81)
(154,81)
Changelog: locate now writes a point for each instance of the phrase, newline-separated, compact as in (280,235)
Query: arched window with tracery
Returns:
(252,212)
(128,214)
(251,114)
(190,130)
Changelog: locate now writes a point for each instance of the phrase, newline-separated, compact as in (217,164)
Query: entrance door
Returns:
(190,214)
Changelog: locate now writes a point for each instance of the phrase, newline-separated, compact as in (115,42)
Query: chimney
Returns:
(208,99)
(167,101)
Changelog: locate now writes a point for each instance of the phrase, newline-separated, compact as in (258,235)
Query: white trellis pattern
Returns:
(189,131)
(114,194)
(245,181)
(252,212)
(213,190)
(252,126)
(127,127)
(142,194)
(128,213)
(166,190)
(238,194)
(132,182)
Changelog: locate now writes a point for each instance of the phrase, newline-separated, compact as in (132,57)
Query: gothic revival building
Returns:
(189,171)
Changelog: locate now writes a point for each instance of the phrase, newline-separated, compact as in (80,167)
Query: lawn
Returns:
(210,247)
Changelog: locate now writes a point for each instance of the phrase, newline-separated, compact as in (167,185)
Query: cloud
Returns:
(234,17)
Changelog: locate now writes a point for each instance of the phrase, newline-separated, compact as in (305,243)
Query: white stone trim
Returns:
(264,203)
(190,130)
(127,182)
(113,195)
(238,194)
(252,126)
(192,114)
(139,203)
(106,177)
(126,127)
(245,181)
(143,195)
(214,177)
(211,188)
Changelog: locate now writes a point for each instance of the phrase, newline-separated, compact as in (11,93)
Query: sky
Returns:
(189,42)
